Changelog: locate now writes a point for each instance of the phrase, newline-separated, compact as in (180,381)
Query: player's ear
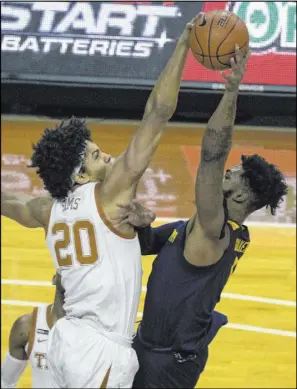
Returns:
(82,178)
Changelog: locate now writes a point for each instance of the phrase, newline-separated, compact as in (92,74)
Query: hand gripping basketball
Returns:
(186,33)
(238,66)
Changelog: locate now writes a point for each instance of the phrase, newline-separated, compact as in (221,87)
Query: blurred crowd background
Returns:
(100,60)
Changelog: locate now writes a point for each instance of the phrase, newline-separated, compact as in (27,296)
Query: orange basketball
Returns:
(214,36)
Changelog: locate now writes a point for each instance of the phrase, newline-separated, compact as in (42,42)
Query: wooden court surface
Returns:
(258,349)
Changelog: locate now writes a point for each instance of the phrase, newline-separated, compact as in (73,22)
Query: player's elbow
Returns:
(161,108)
(25,221)
(19,213)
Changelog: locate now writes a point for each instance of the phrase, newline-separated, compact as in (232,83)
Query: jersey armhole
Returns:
(32,332)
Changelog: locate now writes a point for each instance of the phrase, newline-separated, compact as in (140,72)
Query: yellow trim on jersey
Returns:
(234,265)
(234,225)
(173,236)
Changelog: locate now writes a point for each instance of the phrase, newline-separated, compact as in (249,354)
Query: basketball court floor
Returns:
(258,347)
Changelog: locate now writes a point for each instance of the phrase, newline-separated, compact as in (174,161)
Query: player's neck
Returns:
(236,213)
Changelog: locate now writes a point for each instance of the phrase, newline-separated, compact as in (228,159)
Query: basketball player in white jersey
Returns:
(28,343)
(100,266)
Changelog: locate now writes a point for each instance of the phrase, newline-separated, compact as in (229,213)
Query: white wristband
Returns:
(11,370)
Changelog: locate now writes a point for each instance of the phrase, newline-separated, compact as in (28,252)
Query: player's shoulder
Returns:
(174,229)
(23,321)
(20,331)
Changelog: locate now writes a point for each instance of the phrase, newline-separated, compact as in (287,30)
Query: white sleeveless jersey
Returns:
(100,268)
(37,346)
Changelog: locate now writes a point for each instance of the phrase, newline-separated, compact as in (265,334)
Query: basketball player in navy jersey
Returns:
(195,258)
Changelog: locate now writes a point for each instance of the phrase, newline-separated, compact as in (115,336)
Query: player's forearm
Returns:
(159,109)
(217,139)
(216,145)
(163,99)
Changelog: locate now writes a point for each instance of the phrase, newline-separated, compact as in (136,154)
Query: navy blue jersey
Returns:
(181,297)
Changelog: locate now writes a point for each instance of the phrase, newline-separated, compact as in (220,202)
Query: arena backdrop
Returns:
(130,42)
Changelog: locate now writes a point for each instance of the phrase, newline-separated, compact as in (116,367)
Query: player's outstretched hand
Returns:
(186,33)
(238,66)
(133,213)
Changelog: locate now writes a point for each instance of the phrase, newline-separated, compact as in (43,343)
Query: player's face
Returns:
(96,162)
(233,179)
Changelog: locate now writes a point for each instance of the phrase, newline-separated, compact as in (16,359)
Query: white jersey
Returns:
(36,348)
(100,268)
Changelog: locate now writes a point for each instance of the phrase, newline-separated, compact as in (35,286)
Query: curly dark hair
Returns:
(265,180)
(58,153)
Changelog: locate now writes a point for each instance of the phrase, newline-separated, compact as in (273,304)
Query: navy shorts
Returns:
(163,370)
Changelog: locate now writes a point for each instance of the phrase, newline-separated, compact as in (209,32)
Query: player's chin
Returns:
(104,171)
(99,175)
(225,189)
(108,168)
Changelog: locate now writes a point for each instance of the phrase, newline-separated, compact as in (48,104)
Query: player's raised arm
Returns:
(159,109)
(31,212)
(216,145)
